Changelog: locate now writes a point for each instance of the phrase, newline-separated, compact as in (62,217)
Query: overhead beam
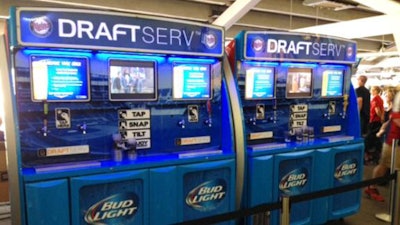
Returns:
(384,6)
(396,35)
(390,8)
(234,12)
(367,45)
(296,8)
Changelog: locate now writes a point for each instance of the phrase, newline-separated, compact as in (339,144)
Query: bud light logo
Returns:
(207,196)
(41,26)
(345,171)
(294,181)
(113,210)
(210,40)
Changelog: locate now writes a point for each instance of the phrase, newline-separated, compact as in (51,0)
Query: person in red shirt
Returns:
(386,154)
(390,93)
(376,112)
(373,144)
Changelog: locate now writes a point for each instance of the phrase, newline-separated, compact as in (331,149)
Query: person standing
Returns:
(386,154)
(2,139)
(373,144)
(117,84)
(363,100)
(390,93)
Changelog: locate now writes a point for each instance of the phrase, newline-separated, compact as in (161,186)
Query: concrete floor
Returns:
(366,216)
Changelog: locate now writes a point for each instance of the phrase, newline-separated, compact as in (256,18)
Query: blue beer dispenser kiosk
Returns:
(119,119)
(300,122)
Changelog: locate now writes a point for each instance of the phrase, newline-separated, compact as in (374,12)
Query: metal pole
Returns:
(285,216)
(395,208)
(384,216)
(392,183)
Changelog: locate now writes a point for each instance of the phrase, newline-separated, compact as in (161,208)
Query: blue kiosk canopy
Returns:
(88,29)
(276,46)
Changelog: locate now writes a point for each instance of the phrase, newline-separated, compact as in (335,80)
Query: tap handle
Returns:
(181,123)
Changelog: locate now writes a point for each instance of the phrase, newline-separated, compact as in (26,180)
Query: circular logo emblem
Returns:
(41,26)
(349,51)
(210,40)
(258,45)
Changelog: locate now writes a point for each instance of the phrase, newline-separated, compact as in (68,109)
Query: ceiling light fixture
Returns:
(335,4)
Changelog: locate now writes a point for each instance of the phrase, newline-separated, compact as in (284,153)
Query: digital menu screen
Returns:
(260,83)
(59,78)
(191,81)
(132,80)
(299,83)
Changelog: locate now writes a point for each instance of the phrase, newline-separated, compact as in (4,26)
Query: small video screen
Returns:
(299,83)
(132,80)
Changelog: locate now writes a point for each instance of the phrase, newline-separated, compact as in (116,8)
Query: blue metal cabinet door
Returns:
(112,198)
(47,202)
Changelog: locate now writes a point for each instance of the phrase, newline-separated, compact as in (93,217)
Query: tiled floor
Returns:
(366,215)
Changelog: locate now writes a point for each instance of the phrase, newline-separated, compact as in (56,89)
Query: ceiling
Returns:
(277,15)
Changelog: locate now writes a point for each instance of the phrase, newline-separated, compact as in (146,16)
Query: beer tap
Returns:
(181,123)
(83,128)
(119,147)
(326,115)
(208,122)
(275,109)
(252,120)
(44,129)
(331,110)
(345,104)
(209,112)
(131,145)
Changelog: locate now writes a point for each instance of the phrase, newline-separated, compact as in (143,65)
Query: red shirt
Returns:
(376,102)
(394,131)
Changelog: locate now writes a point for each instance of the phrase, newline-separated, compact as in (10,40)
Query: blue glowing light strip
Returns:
(106,56)
(258,63)
(299,64)
(333,66)
(57,53)
(192,60)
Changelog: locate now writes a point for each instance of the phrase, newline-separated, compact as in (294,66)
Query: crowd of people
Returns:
(379,110)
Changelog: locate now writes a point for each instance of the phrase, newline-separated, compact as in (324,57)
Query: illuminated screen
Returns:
(59,78)
(132,80)
(260,83)
(299,83)
(332,83)
(191,81)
